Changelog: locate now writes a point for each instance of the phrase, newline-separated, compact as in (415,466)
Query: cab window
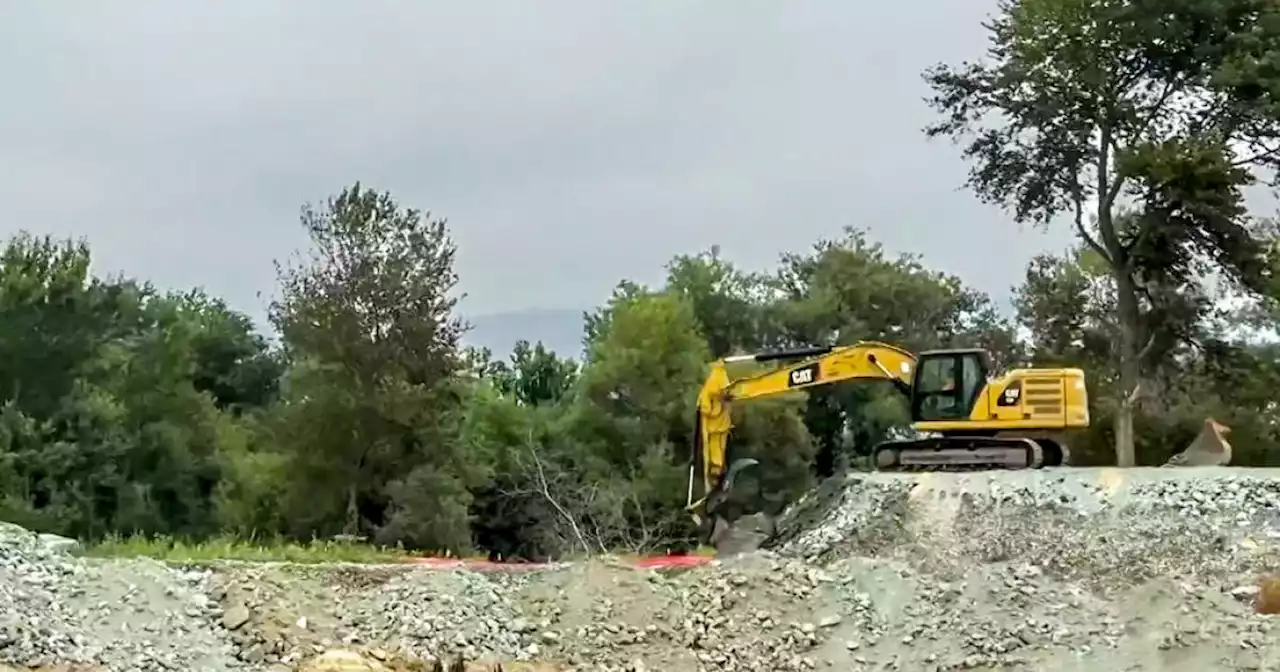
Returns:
(948,386)
(937,397)
(973,375)
(937,374)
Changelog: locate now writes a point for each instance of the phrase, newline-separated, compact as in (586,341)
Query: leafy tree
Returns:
(1065,303)
(596,323)
(1085,103)
(233,362)
(726,301)
(56,318)
(534,375)
(371,405)
(644,369)
(510,417)
(634,413)
(105,429)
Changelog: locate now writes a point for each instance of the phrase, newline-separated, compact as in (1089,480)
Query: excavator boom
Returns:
(865,360)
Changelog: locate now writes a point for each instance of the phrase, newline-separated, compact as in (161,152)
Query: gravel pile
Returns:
(57,609)
(1080,523)
(1058,569)
(282,614)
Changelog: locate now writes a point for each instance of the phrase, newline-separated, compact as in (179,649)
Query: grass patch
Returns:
(233,548)
(180,551)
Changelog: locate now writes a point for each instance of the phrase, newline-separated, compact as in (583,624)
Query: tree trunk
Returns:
(1130,314)
(1130,366)
(353,512)
(1124,434)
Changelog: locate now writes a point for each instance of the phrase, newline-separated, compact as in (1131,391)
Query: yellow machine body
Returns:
(1017,420)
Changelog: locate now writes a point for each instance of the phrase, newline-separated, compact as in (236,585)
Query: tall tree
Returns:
(55,318)
(534,375)
(725,300)
(369,324)
(1086,103)
(233,363)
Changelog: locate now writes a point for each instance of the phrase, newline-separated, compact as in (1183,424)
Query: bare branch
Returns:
(1260,153)
(1084,233)
(1147,348)
(545,491)
(1134,395)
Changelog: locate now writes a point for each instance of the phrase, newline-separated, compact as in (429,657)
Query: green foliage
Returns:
(1143,122)
(165,425)
(242,549)
(534,375)
(725,300)
(370,417)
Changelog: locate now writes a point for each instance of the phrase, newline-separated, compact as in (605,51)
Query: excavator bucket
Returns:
(724,491)
(1209,448)
(737,467)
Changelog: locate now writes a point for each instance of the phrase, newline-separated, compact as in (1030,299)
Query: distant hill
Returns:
(558,329)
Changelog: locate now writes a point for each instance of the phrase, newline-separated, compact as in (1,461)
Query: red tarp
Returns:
(652,562)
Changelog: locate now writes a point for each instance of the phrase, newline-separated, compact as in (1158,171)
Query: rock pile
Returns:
(1068,569)
(1079,523)
(282,614)
(56,609)
(35,628)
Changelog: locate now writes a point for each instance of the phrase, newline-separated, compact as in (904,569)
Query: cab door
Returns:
(946,385)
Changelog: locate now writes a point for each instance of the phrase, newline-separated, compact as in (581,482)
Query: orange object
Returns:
(671,561)
(653,562)
(1268,600)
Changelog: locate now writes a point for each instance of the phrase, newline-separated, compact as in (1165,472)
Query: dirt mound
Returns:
(1051,570)
(346,660)
(764,611)
(1128,525)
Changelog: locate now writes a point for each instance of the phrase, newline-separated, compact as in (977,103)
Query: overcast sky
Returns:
(568,142)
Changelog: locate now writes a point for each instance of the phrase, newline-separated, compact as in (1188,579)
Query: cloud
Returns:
(570,143)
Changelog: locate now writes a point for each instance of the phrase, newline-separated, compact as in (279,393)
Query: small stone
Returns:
(235,617)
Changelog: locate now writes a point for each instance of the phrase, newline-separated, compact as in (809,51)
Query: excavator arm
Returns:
(810,367)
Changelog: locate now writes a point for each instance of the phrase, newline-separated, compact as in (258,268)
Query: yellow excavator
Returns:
(1018,420)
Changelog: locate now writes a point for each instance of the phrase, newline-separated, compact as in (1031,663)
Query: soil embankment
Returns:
(1070,569)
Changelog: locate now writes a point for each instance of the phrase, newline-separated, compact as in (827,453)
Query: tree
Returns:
(370,415)
(849,289)
(233,362)
(104,427)
(1065,303)
(726,301)
(1084,103)
(56,317)
(512,416)
(534,376)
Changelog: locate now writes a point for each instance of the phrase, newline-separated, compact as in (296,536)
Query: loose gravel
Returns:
(56,609)
(1053,570)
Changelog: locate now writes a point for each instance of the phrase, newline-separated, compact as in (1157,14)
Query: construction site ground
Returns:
(1056,569)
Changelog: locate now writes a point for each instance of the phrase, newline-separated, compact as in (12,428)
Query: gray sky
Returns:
(569,142)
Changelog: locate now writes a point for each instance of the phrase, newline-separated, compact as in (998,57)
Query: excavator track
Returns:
(962,453)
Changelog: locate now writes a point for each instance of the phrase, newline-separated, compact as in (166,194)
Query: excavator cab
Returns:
(947,383)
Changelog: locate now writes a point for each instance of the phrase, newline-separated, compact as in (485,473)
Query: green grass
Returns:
(179,551)
(232,548)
